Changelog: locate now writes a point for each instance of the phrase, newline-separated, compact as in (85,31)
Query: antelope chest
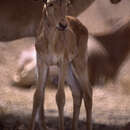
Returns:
(62,46)
(53,58)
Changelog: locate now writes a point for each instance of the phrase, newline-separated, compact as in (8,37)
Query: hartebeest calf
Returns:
(62,40)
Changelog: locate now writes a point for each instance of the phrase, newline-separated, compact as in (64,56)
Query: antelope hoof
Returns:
(38,126)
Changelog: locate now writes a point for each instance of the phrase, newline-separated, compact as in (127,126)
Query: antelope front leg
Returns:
(38,122)
(60,95)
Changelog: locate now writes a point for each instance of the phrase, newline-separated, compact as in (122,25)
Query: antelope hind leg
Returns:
(77,96)
(60,95)
(87,96)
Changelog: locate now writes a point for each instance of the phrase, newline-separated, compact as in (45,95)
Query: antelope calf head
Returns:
(55,11)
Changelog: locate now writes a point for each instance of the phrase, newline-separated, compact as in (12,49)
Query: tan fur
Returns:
(67,49)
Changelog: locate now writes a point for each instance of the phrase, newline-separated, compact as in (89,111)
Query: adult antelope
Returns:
(62,41)
(20,18)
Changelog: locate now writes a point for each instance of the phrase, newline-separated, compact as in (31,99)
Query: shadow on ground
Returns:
(14,122)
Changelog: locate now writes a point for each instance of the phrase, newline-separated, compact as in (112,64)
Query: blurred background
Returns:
(109,65)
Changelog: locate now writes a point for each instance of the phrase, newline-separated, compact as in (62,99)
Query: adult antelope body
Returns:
(20,18)
(62,40)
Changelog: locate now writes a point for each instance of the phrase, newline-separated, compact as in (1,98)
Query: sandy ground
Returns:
(111,104)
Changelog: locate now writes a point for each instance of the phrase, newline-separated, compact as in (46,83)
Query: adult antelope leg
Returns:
(77,96)
(60,95)
(38,121)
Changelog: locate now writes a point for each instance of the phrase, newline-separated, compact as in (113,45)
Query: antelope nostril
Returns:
(115,1)
(62,25)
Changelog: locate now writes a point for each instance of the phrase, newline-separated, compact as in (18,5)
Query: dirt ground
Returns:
(111,103)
